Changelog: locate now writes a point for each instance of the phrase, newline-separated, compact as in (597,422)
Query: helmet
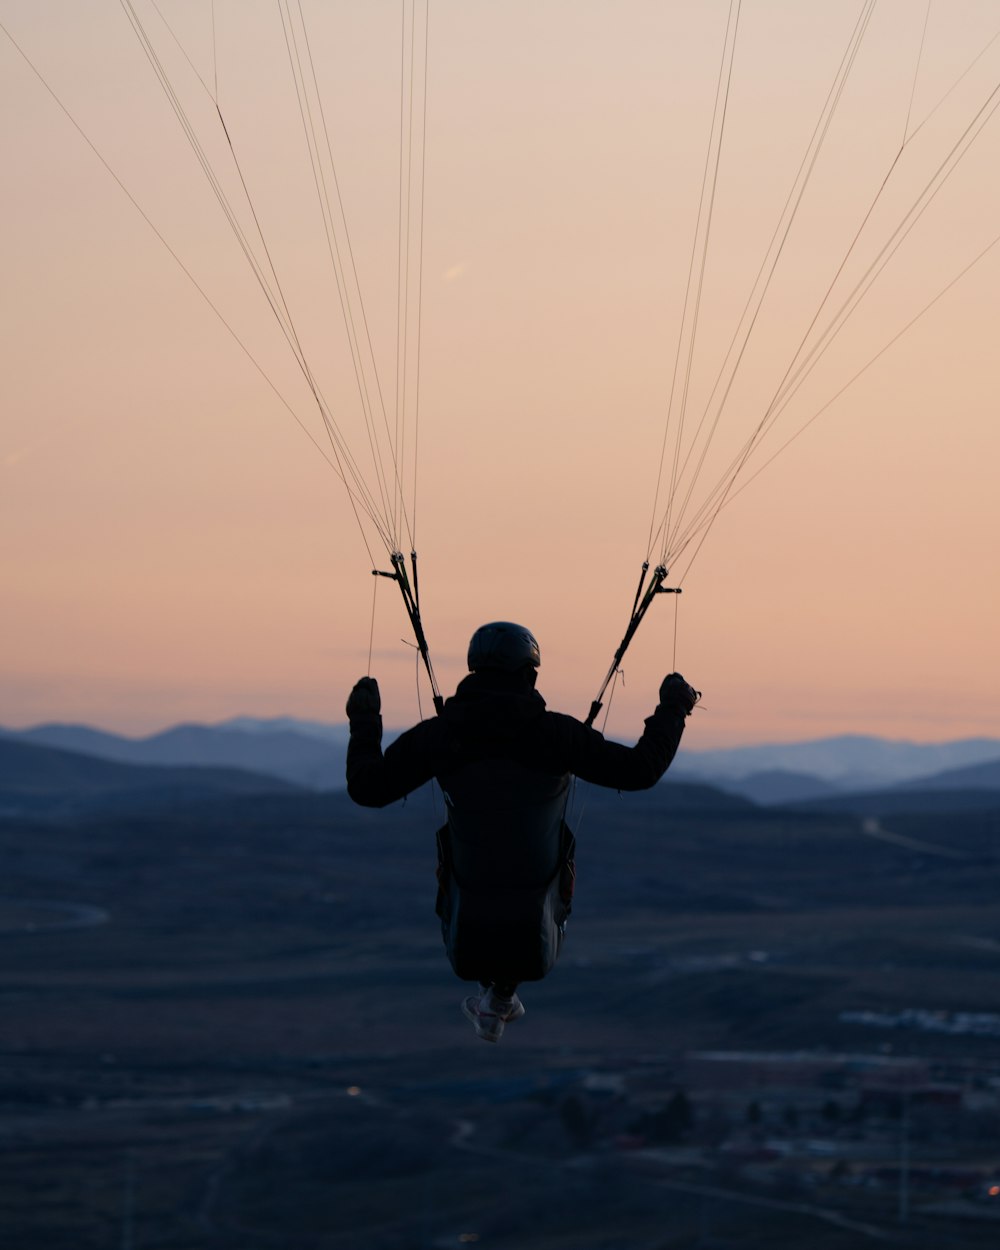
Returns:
(503,645)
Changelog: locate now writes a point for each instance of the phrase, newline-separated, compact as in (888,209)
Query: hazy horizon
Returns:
(390,731)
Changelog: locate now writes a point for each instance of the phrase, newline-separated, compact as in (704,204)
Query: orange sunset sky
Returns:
(175,548)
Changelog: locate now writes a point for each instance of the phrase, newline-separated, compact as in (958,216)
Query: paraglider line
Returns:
(802,365)
(309,129)
(213,95)
(765,274)
(703,266)
(865,367)
(337,468)
(371,632)
(916,73)
(398,575)
(275,297)
(677,604)
(690,279)
(420,272)
(334,251)
(638,589)
(654,588)
(215,55)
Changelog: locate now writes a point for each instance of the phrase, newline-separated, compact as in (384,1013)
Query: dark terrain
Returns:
(229,1023)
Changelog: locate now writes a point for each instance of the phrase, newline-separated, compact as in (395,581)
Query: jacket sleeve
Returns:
(611,764)
(375,779)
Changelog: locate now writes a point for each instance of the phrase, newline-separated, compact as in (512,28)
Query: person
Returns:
(504,763)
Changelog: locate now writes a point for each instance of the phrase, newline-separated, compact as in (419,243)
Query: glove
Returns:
(676,693)
(364,700)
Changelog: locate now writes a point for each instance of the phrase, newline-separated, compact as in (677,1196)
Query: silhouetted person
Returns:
(504,764)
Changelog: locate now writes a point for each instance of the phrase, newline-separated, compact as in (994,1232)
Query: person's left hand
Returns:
(364,699)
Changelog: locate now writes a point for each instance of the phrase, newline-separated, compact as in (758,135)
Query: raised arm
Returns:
(619,767)
(374,779)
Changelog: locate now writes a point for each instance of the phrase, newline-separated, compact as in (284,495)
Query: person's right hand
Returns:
(364,699)
(675,692)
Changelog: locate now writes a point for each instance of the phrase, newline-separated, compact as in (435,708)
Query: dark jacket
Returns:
(504,764)
(495,717)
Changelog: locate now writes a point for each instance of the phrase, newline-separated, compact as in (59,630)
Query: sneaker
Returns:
(509,1008)
(489,1013)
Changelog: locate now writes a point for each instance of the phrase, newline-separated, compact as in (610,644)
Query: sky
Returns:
(175,545)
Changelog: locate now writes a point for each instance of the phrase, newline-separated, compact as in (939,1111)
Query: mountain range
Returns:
(311,754)
(305,753)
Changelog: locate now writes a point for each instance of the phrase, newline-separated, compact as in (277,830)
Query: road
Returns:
(871,826)
(18,915)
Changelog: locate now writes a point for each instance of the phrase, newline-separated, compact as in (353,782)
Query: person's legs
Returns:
(504,1000)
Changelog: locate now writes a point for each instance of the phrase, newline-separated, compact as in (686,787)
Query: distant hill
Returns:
(39,778)
(682,796)
(780,786)
(975,777)
(336,735)
(849,763)
(902,801)
(296,752)
(972,789)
